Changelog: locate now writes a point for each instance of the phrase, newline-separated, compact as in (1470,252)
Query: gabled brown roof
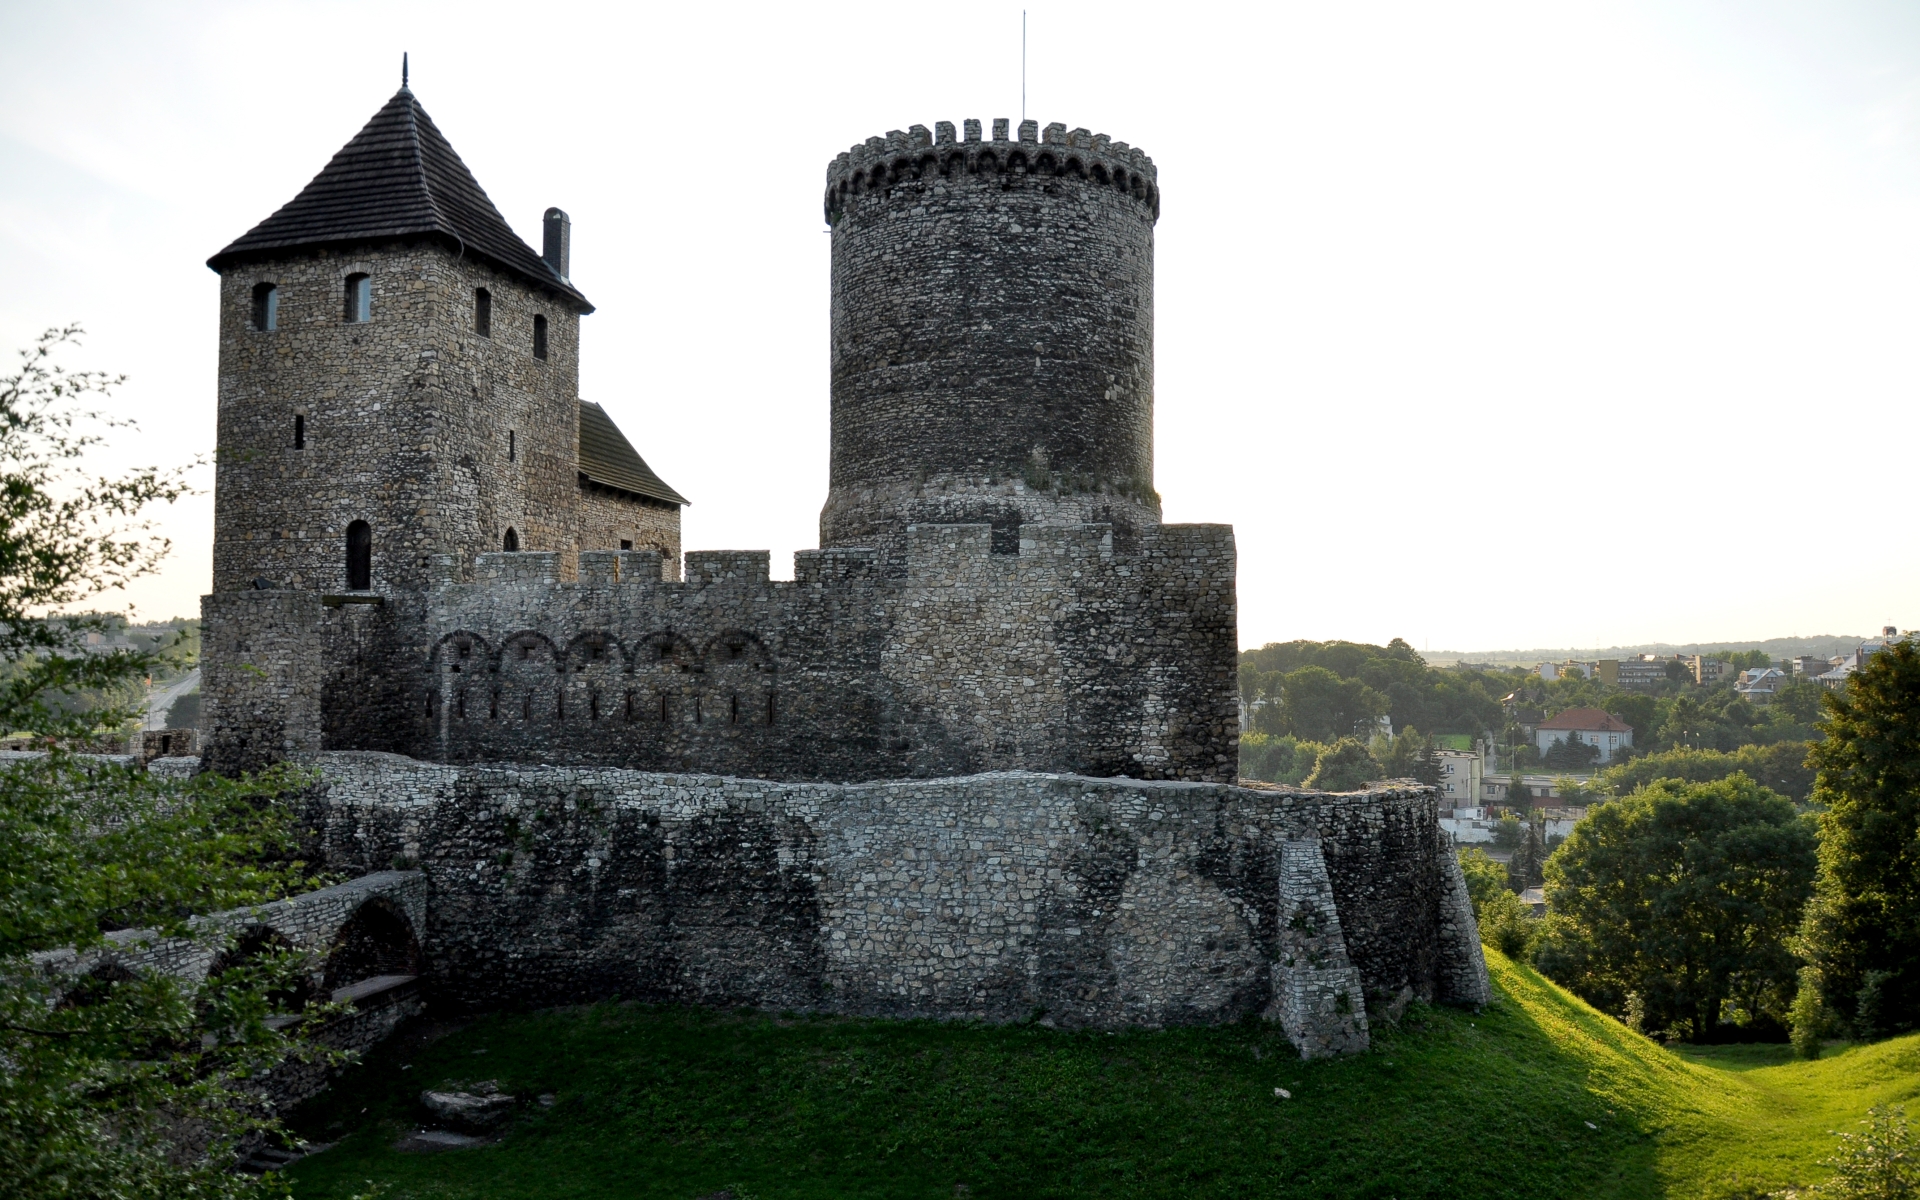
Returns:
(398,179)
(1587,720)
(609,459)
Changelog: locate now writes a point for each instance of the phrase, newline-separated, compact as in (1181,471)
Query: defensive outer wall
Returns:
(1086,902)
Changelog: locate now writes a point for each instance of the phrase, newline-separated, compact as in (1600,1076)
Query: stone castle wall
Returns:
(992,335)
(1093,902)
(1067,656)
(608,518)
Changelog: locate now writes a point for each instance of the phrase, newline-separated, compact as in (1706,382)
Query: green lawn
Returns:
(1537,1097)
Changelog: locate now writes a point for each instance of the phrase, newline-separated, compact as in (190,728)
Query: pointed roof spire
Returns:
(403,70)
(397,180)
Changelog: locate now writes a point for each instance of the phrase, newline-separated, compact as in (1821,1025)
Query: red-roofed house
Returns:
(1588,725)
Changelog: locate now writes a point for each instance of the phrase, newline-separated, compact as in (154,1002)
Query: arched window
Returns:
(299,431)
(539,337)
(266,307)
(359,557)
(483,312)
(511,541)
(359,300)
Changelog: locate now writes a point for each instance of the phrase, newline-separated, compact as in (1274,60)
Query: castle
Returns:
(976,758)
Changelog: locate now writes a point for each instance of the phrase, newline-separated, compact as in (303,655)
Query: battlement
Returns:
(881,162)
(937,554)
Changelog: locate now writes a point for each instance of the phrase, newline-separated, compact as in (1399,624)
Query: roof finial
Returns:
(403,68)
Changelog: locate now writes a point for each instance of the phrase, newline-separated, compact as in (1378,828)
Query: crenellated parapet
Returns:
(880,163)
(1064,656)
(992,334)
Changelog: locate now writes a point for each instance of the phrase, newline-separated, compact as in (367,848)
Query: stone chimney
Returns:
(556,242)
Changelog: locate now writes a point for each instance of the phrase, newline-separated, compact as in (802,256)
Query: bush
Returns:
(1484,877)
(1808,1017)
(1880,1164)
(1509,926)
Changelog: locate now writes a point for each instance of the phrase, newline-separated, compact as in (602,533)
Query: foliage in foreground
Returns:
(1881,1164)
(1676,904)
(114,1085)
(1863,927)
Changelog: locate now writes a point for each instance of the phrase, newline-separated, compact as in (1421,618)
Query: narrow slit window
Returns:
(483,312)
(359,557)
(539,337)
(299,431)
(510,543)
(733,709)
(359,300)
(769,708)
(513,445)
(663,708)
(266,307)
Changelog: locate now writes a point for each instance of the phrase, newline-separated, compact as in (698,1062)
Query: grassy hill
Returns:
(1539,1096)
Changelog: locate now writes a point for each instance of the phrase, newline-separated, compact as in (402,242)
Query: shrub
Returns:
(1880,1164)
(1808,1018)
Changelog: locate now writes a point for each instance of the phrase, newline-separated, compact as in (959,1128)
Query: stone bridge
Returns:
(364,935)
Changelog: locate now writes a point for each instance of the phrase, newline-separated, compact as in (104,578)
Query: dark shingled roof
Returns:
(609,459)
(398,179)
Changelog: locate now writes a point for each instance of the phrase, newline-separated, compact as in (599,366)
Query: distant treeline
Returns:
(1323,691)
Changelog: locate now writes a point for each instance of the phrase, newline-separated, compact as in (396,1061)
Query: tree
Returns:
(1863,927)
(113,1085)
(1572,753)
(1798,699)
(1409,756)
(1685,895)
(1780,767)
(1317,704)
(1506,923)
(1344,766)
(1519,795)
(1527,866)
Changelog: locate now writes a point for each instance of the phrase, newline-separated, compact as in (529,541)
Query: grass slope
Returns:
(1540,1096)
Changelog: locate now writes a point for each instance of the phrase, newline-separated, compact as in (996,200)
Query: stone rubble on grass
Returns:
(482,1108)
(427,1140)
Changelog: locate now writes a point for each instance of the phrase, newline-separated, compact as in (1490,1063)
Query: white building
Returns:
(1460,775)
(1588,725)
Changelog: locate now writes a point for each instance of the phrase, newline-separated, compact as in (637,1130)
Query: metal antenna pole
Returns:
(403,68)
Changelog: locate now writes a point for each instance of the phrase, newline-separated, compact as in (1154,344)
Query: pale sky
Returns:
(1485,325)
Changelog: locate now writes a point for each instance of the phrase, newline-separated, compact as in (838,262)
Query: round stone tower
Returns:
(992,334)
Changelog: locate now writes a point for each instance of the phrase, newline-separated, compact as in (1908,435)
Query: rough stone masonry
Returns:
(977,758)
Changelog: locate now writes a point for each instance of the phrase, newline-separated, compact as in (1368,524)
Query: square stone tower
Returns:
(399,379)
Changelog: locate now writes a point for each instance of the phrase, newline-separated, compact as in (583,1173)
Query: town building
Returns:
(1847,664)
(1649,670)
(1589,725)
(1709,670)
(1758,684)
(1460,775)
